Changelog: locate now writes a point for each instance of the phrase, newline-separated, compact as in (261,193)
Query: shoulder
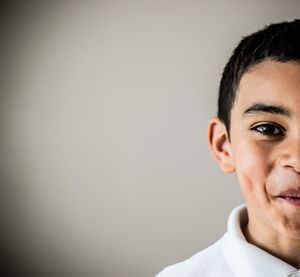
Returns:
(207,263)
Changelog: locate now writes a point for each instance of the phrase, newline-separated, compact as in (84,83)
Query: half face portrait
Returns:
(263,147)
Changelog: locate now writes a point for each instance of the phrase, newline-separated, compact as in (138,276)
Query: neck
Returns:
(282,247)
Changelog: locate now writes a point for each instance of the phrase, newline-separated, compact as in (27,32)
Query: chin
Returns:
(290,229)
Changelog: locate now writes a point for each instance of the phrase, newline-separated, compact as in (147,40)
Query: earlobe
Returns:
(219,145)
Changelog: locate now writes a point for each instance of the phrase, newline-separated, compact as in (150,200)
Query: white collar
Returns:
(246,259)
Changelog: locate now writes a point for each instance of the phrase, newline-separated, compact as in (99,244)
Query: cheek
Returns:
(252,158)
(252,167)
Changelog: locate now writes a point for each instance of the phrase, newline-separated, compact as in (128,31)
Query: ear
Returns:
(219,145)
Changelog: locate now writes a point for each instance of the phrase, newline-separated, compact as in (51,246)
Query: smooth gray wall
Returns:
(104,120)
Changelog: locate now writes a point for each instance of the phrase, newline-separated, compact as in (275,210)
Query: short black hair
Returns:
(279,42)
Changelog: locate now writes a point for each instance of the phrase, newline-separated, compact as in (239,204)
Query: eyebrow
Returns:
(273,109)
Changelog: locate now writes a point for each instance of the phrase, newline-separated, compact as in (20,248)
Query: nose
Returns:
(290,156)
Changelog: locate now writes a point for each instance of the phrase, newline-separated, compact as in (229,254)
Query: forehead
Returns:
(270,82)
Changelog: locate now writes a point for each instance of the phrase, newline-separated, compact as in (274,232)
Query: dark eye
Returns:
(269,129)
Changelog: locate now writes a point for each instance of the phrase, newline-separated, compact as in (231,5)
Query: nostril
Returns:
(290,161)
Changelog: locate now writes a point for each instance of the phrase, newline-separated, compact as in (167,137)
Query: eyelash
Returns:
(276,130)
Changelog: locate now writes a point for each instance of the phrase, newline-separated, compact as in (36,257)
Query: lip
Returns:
(291,196)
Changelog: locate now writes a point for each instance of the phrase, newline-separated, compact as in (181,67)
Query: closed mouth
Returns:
(292,196)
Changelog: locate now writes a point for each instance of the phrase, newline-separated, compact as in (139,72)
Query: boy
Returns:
(257,135)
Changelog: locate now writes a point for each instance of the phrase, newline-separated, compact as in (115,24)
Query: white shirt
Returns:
(232,256)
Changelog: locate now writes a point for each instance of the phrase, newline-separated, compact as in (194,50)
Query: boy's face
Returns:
(264,146)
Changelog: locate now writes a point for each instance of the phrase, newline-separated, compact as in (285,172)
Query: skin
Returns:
(264,151)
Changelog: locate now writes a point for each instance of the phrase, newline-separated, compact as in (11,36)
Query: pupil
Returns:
(268,129)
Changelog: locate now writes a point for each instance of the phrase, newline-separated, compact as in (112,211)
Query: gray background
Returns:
(104,111)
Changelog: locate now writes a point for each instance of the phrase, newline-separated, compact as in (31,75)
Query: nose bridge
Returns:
(290,154)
